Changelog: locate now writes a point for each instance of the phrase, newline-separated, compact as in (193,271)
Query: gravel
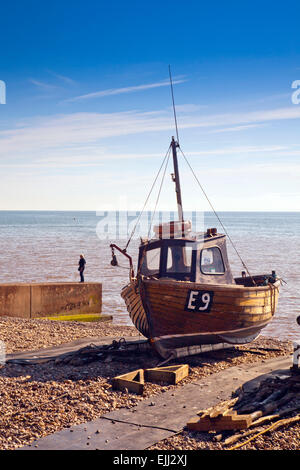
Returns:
(37,400)
(21,334)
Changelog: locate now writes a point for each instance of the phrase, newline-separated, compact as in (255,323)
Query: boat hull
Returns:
(133,301)
(183,314)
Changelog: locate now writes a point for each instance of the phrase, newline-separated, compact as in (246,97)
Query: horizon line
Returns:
(139,210)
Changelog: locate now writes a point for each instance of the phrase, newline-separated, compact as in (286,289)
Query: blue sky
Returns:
(88,116)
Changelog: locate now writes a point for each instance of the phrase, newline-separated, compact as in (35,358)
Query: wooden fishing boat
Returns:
(184,294)
(184,297)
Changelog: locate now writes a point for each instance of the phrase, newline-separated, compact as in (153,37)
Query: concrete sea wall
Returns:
(46,299)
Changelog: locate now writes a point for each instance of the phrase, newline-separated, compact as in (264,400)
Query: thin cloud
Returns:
(244,149)
(232,119)
(42,85)
(119,91)
(189,108)
(63,78)
(278,96)
(236,128)
(62,134)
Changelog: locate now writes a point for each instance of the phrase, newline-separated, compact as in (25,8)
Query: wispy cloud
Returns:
(79,137)
(60,82)
(189,108)
(119,91)
(261,116)
(276,97)
(43,85)
(63,78)
(236,128)
(241,150)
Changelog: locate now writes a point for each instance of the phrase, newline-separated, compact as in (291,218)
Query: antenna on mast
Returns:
(171,83)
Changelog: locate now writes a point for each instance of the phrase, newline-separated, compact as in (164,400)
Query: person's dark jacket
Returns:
(81,263)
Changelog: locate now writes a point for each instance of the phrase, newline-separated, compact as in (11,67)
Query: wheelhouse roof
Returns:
(190,238)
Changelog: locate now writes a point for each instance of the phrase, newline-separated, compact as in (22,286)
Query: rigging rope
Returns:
(139,217)
(158,196)
(165,162)
(173,102)
(229,238)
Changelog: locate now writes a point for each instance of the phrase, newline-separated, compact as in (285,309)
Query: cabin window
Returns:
(211,261)
(151,261)
(179,259)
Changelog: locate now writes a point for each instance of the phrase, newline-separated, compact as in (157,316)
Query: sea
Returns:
(44,246)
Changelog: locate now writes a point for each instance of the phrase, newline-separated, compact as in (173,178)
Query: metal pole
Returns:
(174,145)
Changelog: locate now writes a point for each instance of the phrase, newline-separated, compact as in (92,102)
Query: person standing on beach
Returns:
(81,267)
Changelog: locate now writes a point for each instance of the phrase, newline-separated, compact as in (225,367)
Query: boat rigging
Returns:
(183,294)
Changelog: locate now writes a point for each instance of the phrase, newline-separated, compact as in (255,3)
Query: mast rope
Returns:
(158,196)
(153,184)
(173,101)
(221,223)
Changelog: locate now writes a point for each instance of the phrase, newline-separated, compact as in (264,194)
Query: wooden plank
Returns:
(179,294)
(140,321)
(131,300)
(219,424)
(170,323)
(222,412)
(131,304)
(216,306)
(139,313)
(224,405)
(138,306)
(218,299)
(132,381)
(136,311)
(171,374)
(225,290)
(219,312)
(215,309)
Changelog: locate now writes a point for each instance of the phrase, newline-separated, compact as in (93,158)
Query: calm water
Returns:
(45,246)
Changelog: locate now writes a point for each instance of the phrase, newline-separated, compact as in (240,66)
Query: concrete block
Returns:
(63,298)
(15,300)
(47,299)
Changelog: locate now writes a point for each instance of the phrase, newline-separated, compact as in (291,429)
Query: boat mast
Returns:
(174,145)
(176,179)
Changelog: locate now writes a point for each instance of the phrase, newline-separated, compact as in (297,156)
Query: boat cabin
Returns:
(201,259)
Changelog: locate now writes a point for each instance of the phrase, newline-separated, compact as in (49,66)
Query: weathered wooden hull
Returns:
(174,315)
(135,308)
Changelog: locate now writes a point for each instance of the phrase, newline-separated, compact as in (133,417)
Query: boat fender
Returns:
(114,261)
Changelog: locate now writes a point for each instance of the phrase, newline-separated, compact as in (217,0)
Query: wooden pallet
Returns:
(131,382)
(134,381)
(229,420)
(171,374)
(220,417)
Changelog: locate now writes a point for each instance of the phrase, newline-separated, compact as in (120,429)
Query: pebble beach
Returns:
(37,400)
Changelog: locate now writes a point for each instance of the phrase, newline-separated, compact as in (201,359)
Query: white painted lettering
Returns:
(192,299)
